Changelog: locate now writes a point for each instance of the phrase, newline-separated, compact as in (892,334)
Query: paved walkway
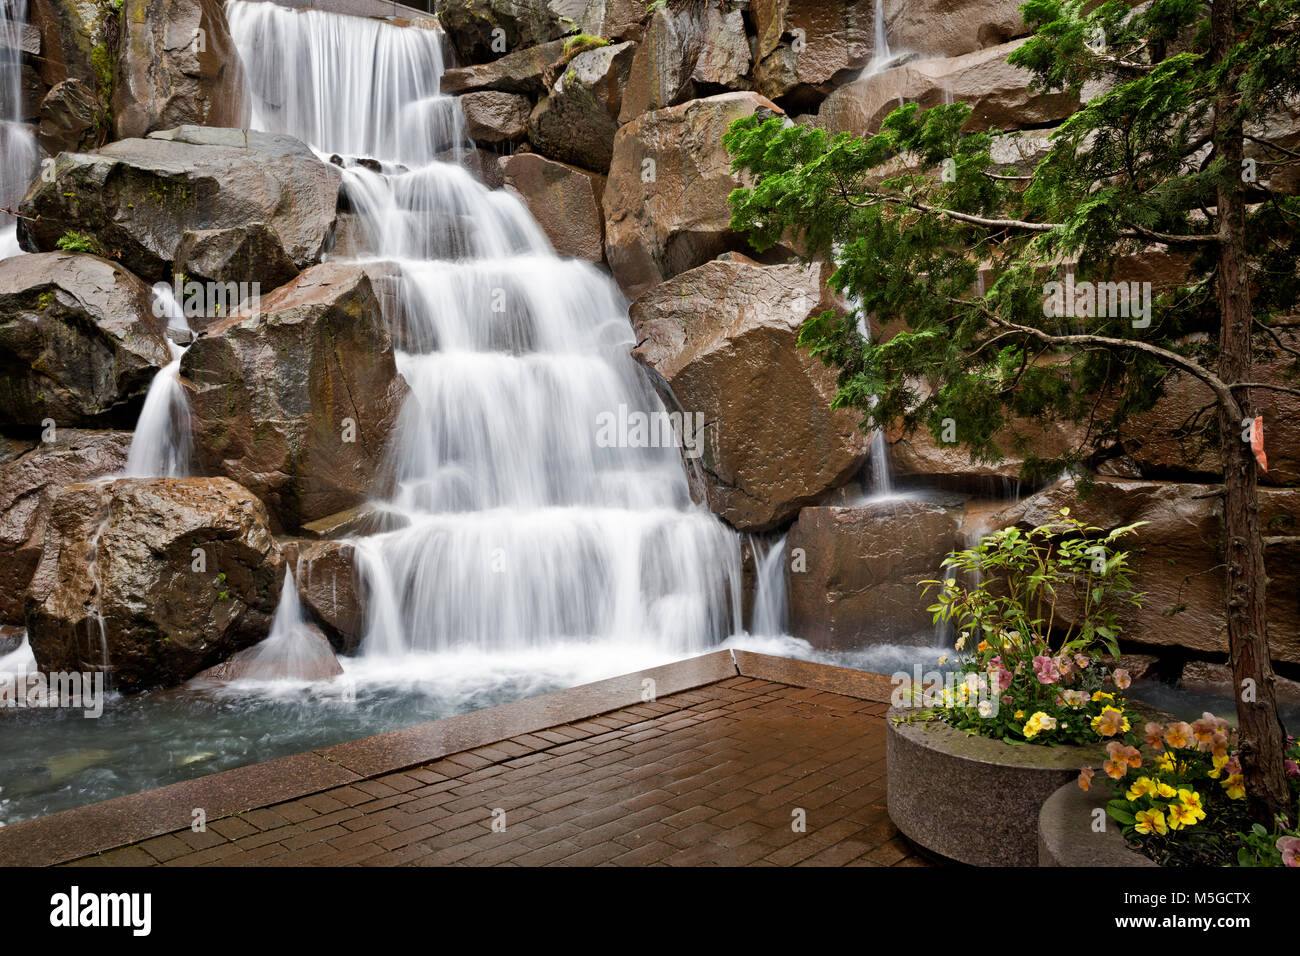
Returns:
(720,774)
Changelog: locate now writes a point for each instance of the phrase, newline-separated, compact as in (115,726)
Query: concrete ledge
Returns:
(1066,836)
(82,831)
(836,680)
(970,798)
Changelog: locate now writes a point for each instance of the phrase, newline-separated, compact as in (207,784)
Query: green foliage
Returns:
(581,43)
(952,253)
(1021,582)
(72,241)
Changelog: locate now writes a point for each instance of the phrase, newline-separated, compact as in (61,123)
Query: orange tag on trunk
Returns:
(1257,443)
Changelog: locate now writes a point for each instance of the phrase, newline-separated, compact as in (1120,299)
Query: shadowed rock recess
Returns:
(373,284)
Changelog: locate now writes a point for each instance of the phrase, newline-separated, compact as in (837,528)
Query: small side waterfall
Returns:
(292,651)
(771,607)
(880,54)
(17,144)
(880,480)
(518,530)
(162,444)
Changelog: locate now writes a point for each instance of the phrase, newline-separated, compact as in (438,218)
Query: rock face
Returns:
(329,587)
(723,336)
(1177,557)
(805,47)
(661,72)
(943,28)
(494,117)
(296,403)
(177,65)
(29,483)
(565,201)
(486,29)
(864,568)
(517,72)
(948,464)
(162,577)
(666,200)
(79,343)
(576,123)
(998,93)
(71,115)
(139,197)
(615,19)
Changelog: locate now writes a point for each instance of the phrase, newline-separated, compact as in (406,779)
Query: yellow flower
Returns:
(1151,821)
(1141,787)
(1019,714)
(1164,791)
(1218,766)
(1185,814)
(1165,761)
(1235,785)
(1192,799)
(1102,695)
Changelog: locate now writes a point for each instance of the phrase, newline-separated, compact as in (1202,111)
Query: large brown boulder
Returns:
(1177,557)
(999,94)
(943,28)
(69,30)
(518,72)
(139,197)
(79,341)
(296,403)
(666,205)
(723,336)
(577,121)
(615,19)
(176,65)
(661,72)
(153,579)
(565,201)
(72,118)
(805,48)
(494,117)
(482,30)
(856,572)
(29,483)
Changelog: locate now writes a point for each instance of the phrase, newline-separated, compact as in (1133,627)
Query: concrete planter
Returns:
(1066,836)
(970,798)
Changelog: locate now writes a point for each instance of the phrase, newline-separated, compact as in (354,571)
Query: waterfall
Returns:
(770,604)
(880,482)
(516,528)
(162,445)
(17,144)
(880,54)
(292,651)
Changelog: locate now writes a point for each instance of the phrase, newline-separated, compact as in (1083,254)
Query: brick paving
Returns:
(717,775)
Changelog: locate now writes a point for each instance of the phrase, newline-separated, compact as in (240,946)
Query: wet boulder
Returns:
(805,48)
(329,587)
(856,572)
(1177,557)
(176,65)
(724,338)
(296,402)
(518,72)
(493,117)
(666,205)
(153,579)
(576,122)
(565,201)
(137,198)
(943,28)
(999,94)
(79,341)
(29,483)
(485,30)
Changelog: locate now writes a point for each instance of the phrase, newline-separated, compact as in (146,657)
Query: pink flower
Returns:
(1290,847)
(1082,660)
(1004,678)
(1122,678)
(1064,665)
(1292,768)
(1045,670)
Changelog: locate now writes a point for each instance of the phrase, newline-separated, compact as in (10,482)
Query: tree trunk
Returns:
(1262,736)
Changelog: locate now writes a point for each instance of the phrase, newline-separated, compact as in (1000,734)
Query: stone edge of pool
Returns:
(99,827)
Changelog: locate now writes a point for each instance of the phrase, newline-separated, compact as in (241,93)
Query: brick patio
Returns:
(713,775)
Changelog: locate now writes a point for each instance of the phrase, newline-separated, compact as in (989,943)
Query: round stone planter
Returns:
(970,798)
(1067,835)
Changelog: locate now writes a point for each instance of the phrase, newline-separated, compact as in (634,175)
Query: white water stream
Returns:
(17,144)
(520,532)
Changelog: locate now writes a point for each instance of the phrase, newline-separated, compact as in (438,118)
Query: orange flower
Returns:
(1179,735)
(1154,735)
(1085,778)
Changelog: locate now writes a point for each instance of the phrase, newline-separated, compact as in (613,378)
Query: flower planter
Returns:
(1066,836)
(973,799)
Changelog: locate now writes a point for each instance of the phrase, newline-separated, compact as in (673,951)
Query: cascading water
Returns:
(517,530)
(880,55)
(161,445)
(17,144)
(770,606)
(291,651)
